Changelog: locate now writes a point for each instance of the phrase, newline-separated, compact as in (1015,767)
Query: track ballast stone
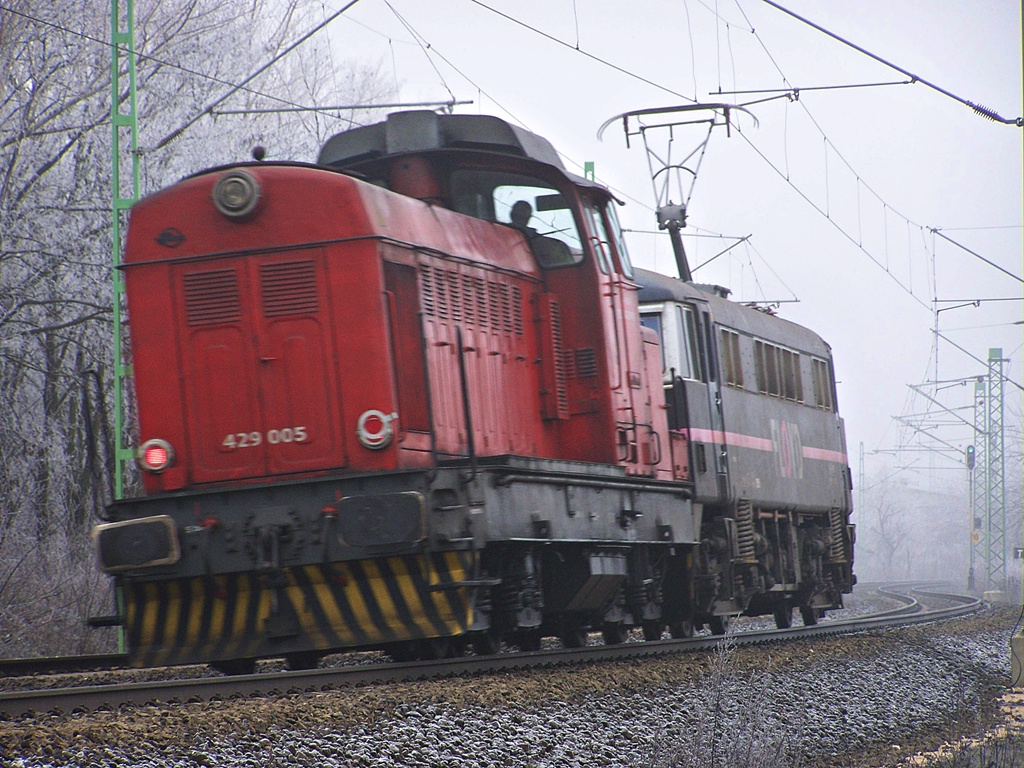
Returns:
(866,699)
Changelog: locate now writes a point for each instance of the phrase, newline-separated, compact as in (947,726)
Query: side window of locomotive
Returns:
(778,371)
(653,321)
(599,238)
(533,207)
(689,348)
(822,384)
(620,243)
(792,383)
(732,364)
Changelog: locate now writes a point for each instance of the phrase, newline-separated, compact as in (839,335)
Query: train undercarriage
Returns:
(475,554)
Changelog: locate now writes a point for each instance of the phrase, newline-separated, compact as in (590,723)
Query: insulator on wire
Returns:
(985,112)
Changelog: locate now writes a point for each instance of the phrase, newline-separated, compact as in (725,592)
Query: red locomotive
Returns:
(415,395)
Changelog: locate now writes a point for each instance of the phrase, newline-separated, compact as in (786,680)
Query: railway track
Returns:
(21,703)
(62,664)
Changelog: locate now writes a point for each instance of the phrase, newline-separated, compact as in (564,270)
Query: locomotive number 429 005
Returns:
(273,436)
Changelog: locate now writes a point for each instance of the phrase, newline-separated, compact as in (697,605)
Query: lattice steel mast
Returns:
(124,124)
(995,473)
(979,490)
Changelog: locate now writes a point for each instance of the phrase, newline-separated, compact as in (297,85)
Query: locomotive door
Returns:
(258,367)
(697,400)
(715,404)
(638,444)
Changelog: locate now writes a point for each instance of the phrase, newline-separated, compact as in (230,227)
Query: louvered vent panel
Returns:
(506,309)
(442,293)
(455,296)
(561,390)
(427,289)
(517,310)
(569,364)
(468,303)
(212,297)
(480,288)
(289,288)
(586,362)
(494,293)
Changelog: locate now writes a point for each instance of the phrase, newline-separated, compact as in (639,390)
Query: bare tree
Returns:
(55,253)
(884,531)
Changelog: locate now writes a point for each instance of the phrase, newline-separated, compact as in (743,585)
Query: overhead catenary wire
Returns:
(429,48)
(977,359)
(338,107)
(975,254)
(424,46)
(978,108)
(835,224)
(980,301)
(589,55)
(860,181)
(797,90)
(858,241)
(829,144)
(209,107)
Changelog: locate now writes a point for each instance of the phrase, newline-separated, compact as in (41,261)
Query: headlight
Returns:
(236,194)
(141,543)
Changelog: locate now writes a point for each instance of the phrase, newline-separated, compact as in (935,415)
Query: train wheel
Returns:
(680,630)
(485,643)
(574,636)
(235,666)
(529,640)
(784,616)
(302,660)
(652,630)
(404,651)
(613,633)
(718,625)
(809,615)
(457,646)
(436,648)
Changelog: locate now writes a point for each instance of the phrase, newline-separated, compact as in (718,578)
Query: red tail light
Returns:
(155,455)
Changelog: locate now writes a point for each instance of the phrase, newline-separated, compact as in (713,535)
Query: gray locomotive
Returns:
(754,397)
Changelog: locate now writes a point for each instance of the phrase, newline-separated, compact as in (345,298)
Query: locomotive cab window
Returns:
(690,345)
(599,238)
(681,348)
(540,212)
(625,265)
(652,320)
(607,240)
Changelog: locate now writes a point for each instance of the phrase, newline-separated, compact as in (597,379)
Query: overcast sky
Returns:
(886,163)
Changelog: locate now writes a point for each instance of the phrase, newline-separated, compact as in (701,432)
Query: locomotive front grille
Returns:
(289,288)
(212,297)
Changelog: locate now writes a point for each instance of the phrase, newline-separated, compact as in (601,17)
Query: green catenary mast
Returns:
(124,125)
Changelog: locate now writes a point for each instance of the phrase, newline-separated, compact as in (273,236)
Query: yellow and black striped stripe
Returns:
(314,607)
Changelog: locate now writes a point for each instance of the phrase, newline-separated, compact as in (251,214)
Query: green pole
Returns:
(122,56)
(122,23)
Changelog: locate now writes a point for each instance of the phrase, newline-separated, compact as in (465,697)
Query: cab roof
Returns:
(422,131)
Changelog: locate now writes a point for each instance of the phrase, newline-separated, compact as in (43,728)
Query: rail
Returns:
(22,703)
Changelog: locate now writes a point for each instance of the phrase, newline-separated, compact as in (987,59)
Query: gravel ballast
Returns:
(858,700)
